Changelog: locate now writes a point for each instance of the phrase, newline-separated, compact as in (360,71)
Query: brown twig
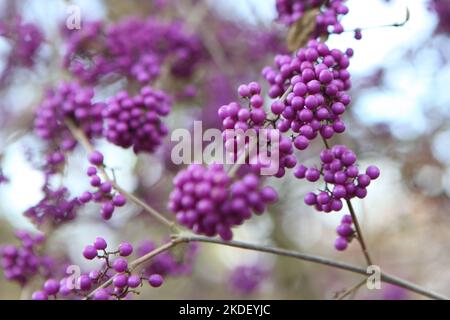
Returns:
(81,138)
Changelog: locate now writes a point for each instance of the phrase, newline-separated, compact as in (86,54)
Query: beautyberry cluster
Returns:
(115,269)
(247,279)
(345,233)
(327,19)
(254,118)
(343,180)
(319,79)
(105,193)
(136,121)
(22,263)
(67,102)
(234,116)
(55,207)
(207,201)
(133,47)
(26,39)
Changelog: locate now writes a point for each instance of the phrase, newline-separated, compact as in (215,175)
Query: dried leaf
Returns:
(301,31)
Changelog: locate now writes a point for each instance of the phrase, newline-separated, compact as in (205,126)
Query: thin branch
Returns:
(83,140)
(352,290)
(395,24)
(138,262)
(314,259)
(359,233)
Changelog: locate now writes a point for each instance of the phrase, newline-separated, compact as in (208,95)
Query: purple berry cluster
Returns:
(327,20)
(319,79)
(235,116)
(253,117)
(67,102)
(105,193)
(22,263)
(247,279)
(115,268)
(342,177)
(136,121)
(345,233)
(134,47)
(55,207)
(26,39)
(209,202)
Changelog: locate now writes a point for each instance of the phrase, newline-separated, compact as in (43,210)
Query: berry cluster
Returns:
(342,178)
(247,279)
(136,121)
(207,201)
(55,207)
(318,79)
(254,117)
(67,102)
(115,269)
(234,116)
(345,233)
(22,263)
(79,57)
(327,20)
(26,39)
(132,47)
(105,193)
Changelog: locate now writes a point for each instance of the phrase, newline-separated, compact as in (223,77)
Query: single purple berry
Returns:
(155,280)
(344,230)
(39,295)
(100,243)
(341,244)
(90,252)
(125,249)
(120,280)
(119,200)
(134,281)
(51,287)
(373,172)
(120,265)
(101,294)
(96,158)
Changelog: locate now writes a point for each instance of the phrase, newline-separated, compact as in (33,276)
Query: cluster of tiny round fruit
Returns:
(57,206)
(253,117)
(95,284)
(317,79)
(136,121)
(132,47)
(105,193)
(345,233)
(209,202)
(67,102)
(235,116)
(22,263)
(327,19)
(339,170)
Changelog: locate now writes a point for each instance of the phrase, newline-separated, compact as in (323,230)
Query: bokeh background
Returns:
(399,121)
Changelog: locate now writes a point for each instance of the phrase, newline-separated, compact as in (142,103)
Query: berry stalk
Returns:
(81,137)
